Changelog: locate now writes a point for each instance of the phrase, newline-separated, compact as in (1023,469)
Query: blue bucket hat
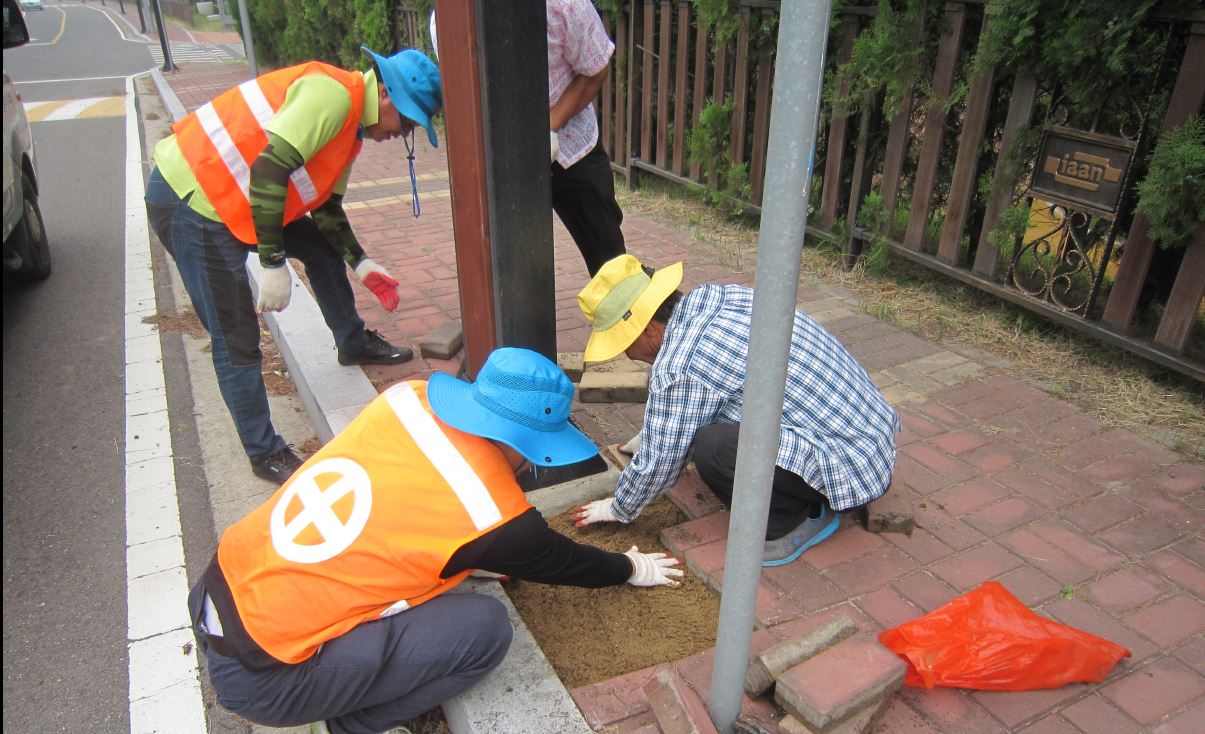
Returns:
(519,398)
(412,82)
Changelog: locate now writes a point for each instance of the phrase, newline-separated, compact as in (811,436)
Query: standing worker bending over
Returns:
(328,601)
(265,165)
(836,447)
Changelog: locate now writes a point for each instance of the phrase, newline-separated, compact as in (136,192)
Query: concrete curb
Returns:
(523,693)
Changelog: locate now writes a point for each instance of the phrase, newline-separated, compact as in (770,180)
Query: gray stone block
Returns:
(613,387)
(444,342)
(572,365)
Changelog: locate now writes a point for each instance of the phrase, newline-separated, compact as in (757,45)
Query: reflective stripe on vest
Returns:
(447,460)
(221,140)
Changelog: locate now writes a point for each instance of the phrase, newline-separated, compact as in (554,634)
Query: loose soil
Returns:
(590,635)
(276,374)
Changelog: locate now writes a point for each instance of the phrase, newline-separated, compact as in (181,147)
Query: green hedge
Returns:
(291,31)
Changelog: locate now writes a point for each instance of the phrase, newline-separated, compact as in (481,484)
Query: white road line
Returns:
(77,79)
(165,689)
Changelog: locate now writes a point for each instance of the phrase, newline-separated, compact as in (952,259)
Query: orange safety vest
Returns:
(365,527)
(221,139)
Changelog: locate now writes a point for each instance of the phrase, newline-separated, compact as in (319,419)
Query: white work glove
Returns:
(632,446)
(275,289)
(377,279)
(653,569)
(556,144)
(596,511)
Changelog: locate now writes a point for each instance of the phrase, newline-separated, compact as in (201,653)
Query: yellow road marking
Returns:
(70,109)
(62,26)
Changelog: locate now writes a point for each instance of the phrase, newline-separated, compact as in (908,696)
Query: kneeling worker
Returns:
(836,447)
(327,603)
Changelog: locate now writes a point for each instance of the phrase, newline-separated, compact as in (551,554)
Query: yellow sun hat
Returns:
(619,302)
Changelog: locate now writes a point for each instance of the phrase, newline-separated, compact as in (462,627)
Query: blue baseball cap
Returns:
(412,82)
(520,398)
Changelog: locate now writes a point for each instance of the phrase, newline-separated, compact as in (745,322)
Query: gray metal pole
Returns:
(248,43)
(794,112)
(162,29)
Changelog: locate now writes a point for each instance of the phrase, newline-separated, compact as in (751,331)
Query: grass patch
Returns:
(1118,388)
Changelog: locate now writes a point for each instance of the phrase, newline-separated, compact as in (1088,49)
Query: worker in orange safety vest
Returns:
(327,603)
(265,165)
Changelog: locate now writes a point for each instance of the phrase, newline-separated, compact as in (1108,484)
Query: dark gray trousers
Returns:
(792,500)
(377,676)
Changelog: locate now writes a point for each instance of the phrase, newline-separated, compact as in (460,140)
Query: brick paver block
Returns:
(707,561)
(841,546)
(1031,586)
(892,513)
(969,496)
(1101,512)
(1178,569)
(960,442)
(1142,534)
(681,538)
(971,568)
(954,710)
(609,701)
(825,690)
(1016,707)
(1190,721)
(1003,516)
(888,608)
(693,497)
(1149,694)
(1183,478)
(804,585)
(775,661)
(1083,616)
(444,342)
(1095,714)
(924,590)
(940,463)
(922,545)
(1125,590)
(677,708)
(870,571)
(1171,621)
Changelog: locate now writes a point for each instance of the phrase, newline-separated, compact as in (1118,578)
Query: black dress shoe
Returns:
(376,351)
(277,467)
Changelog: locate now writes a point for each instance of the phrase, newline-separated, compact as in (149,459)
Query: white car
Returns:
(32,5)
(26,251)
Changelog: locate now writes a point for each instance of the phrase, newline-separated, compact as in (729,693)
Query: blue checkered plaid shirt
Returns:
(838,431)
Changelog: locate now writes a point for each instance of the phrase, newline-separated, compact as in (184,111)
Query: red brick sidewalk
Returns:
(1095,527)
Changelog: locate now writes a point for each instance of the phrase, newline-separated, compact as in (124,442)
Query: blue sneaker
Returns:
(807,534)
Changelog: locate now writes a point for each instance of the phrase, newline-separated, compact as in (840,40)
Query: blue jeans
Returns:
(212,264)
(376,676)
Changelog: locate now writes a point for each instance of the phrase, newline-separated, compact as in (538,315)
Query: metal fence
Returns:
(1086,273)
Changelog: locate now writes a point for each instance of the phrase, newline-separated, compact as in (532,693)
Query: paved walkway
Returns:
(1093,526)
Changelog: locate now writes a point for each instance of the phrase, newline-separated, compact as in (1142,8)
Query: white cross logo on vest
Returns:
(317,509)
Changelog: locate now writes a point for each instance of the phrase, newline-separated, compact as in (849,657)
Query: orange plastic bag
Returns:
(988,640)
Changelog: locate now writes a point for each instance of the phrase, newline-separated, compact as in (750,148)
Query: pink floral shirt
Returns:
(577,45)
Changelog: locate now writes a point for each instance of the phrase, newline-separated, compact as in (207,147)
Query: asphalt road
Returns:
(65,662)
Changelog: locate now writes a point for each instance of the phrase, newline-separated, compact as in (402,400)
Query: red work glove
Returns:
(376,279)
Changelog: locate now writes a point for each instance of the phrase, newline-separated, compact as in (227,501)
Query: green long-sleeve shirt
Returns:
(313,112)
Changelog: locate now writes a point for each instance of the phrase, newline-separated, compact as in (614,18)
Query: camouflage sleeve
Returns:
(332,222)
(269,186)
